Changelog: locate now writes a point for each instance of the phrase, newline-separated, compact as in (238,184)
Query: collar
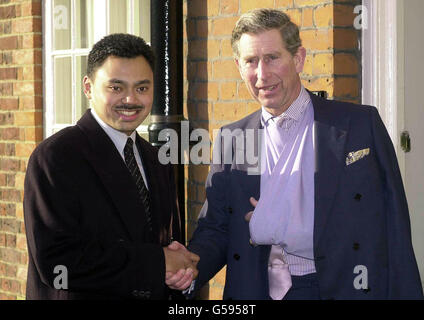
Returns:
(293,112)
(118,138)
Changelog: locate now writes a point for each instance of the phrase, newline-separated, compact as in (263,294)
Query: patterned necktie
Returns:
(138,179)
(278,274)
(278,270)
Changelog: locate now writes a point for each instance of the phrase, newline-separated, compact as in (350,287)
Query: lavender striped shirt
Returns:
(300,255)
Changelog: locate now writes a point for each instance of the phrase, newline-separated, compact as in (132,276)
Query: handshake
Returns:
(181,266)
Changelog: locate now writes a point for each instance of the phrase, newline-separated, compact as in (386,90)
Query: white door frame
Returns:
(383,66)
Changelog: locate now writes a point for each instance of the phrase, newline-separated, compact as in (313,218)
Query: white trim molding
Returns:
(380,61)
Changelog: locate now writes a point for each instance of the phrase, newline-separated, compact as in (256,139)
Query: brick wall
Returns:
(20,130)
(215,94)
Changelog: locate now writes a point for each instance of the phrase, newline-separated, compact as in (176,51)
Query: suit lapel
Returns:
(114,174)
(330,133)
(247,170)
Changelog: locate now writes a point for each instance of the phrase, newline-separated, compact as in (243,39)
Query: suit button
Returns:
(236,256)
(230,210)
(356,246)
(358,197)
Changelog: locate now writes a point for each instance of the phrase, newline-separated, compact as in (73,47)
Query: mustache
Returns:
(129,107)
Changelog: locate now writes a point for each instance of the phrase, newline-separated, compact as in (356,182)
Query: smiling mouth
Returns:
(128,111)
(268,89)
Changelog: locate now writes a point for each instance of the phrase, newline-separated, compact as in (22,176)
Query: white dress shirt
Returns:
(119,139)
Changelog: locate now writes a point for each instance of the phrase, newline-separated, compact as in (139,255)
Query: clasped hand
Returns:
(181,266)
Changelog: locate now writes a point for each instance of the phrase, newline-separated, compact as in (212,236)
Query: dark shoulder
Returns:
(343,108)
(250,121)
(64,144)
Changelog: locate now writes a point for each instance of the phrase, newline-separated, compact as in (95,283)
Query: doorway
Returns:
(392,68)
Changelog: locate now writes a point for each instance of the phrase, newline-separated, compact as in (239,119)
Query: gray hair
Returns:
(260,20)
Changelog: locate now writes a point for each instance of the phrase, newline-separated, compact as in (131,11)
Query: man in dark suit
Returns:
(100,210)
(326,217)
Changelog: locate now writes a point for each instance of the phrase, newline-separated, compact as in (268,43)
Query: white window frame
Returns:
(101,29)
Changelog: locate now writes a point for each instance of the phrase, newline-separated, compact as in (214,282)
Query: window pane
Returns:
(81,100)
(63,89)
(62,24)
(84,23)
(118,16)
(142,19)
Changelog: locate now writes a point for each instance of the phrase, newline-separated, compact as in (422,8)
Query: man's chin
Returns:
(127,129)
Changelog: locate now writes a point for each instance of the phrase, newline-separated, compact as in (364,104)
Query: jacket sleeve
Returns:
(404,279)
(210,239)
(53,214)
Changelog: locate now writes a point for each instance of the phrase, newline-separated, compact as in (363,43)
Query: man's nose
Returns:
(130,98)
(263,70)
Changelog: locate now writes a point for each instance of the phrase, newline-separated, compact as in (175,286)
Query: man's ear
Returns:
(236,61)
(87,86)
(299,59)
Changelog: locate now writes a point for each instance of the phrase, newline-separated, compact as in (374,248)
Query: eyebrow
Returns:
(278,53)
(118,81)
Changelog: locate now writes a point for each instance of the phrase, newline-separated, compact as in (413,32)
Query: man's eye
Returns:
(115,88)
(142,89)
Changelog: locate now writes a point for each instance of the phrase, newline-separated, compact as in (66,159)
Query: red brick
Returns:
(33,134)
(6,118)
(344,15)
(8,73)
(11,243)
(7,164)
(6,89)
(21,242)
(24,149)
(11,195)
(346,64)
(10,255)
(197,8)
(3,179)
(9,104)
(9,134)
(9,43)
(6,27)
(345,39)
(28,118)
(229,7)
(346,87)
(31,103)
(28,24)
(8,12)
(31,8)
(11,180)
(31,41)
(7,149)
(27,57)
(27,88)
(223,26)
